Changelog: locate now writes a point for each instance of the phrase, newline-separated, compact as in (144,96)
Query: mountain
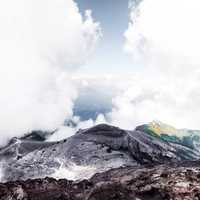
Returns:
(97,149)
(185,137)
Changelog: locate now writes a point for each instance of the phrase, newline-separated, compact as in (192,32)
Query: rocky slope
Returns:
(162,182)
(89,151)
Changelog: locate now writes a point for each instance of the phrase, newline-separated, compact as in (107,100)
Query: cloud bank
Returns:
(163,40)
(42,42)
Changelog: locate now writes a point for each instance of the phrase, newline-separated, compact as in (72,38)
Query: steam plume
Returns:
(42,42)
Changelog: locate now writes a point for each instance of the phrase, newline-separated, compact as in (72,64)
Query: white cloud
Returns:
(41,43)
(165,27)
(163,38)
(64,132)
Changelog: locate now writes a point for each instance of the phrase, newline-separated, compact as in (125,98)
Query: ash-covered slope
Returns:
(93,150)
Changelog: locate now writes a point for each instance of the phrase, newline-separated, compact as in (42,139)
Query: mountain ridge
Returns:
(98,148)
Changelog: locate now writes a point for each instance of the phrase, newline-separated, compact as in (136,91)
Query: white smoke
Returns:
(67,131)
(1,174)
(42,42)
(163,39)
(74,172)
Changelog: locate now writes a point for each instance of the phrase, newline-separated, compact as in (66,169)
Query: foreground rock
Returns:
(130,183)
(98,149)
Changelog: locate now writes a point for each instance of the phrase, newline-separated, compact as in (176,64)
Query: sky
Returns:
(163,60)
(127,65)
(113,17)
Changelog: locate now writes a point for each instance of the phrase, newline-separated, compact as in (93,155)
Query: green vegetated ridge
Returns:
(186,137)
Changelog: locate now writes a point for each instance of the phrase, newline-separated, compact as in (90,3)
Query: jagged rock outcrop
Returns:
(100,148)
(162,182)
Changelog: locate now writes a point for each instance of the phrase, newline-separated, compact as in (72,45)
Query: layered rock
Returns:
(163,182)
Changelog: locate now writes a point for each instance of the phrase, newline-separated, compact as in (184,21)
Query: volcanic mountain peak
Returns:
(98,148)
(144,157)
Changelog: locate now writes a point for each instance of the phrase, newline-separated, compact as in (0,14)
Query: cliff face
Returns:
(181,182)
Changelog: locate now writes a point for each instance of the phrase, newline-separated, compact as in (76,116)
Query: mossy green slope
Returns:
(185,137)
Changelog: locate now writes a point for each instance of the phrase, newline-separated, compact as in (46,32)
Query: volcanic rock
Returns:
(99,148)
(162,182)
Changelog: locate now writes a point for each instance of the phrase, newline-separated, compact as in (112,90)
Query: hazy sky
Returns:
(113,16)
